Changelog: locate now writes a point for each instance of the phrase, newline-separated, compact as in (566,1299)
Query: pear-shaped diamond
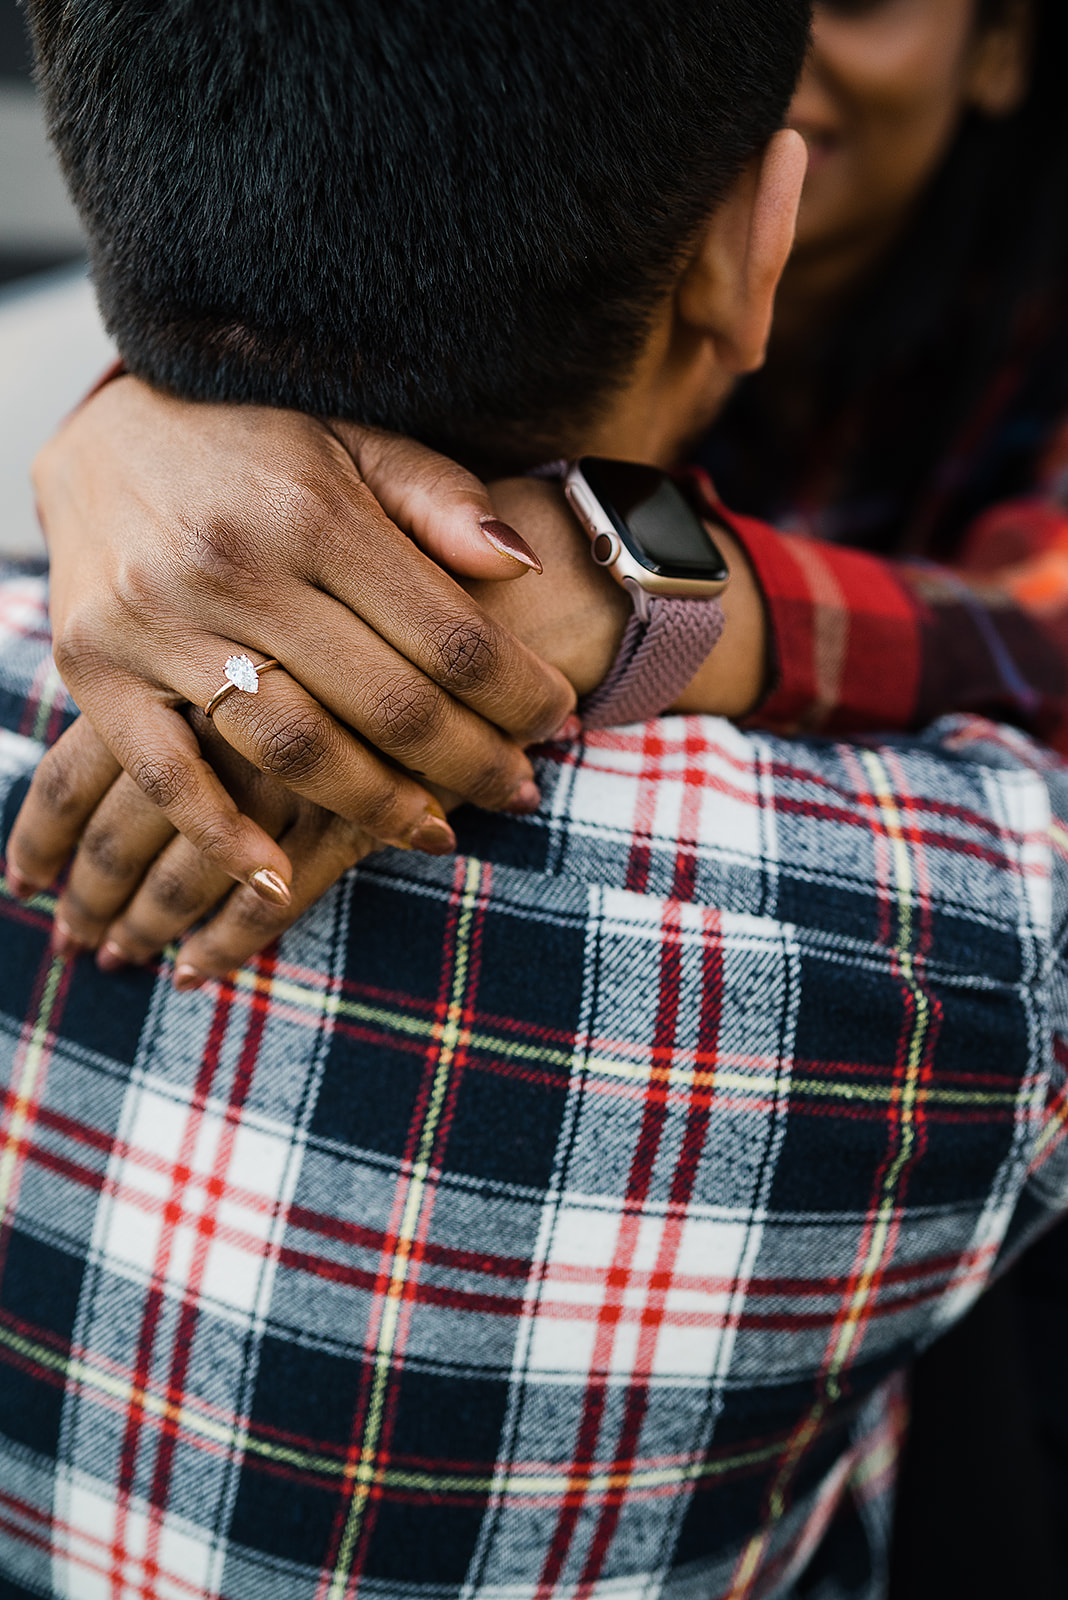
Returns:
(242,674)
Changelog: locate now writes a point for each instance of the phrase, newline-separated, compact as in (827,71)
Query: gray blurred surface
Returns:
(38,227)
(52,346)
(51,342)
(35,215)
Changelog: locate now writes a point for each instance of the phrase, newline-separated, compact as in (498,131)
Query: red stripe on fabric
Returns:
(639,854)
(639,1178)
(880,667)
(12,1102)
(471,1302)
(154,1297)
(189,1311)
(654,1312)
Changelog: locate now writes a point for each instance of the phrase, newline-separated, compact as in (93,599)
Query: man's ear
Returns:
(727,290)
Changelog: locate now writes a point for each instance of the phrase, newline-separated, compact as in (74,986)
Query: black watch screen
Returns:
(654,520)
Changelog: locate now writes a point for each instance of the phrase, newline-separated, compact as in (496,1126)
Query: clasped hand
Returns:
(180,534)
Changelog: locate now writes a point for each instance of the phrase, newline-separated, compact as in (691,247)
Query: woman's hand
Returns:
(135,886)
(180,534)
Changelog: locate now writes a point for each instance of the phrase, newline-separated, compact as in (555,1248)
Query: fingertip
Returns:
(110,958)
(17,886)
(187,977)
(502,537)
(471,542)
(63,943)
(270,886)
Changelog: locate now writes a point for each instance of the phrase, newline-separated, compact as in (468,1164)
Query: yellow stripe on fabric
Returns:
(451,1036)
(907,1097)
(1059,834)
(685,1079)
(22,1092)
(518,1483)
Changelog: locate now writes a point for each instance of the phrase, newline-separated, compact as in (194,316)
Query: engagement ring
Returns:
(241,673)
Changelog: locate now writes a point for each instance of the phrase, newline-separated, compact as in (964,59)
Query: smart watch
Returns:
(643,530)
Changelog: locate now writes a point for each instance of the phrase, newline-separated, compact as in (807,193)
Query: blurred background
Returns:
(51,343)
(38,228)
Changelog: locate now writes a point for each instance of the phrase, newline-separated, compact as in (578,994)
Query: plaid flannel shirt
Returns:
(865,641)
(550,1221)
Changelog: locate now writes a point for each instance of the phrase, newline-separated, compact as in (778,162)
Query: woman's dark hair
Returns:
(449,217)
(934,392)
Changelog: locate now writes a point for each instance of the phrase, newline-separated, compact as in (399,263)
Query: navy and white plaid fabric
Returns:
(554,1221)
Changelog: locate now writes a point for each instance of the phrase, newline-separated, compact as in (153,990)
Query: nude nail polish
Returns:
(525,800)
(569,730)
(63,943)
(187,978)
(270,887)
(433,836)
(508,542)
(109,958)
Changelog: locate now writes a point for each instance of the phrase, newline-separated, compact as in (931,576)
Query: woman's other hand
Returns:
(135,886)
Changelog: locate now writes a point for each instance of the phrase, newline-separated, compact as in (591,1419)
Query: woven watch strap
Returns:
(656,660)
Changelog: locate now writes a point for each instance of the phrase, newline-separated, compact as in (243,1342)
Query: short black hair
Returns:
(448,217)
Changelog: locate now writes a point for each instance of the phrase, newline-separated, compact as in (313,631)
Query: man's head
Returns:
(457,218)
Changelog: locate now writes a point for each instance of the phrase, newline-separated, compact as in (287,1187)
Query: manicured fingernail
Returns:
(187,977)
(270,887)
(508,542)
(433,836)
(64,944)
(569,730)
(109,958)
(18,886)
(526,799)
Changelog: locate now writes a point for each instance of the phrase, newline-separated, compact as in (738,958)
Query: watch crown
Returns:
(605,549)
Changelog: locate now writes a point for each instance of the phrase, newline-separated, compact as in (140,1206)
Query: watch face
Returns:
(653,519)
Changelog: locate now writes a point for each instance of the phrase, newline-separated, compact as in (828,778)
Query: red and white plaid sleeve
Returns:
(862,642)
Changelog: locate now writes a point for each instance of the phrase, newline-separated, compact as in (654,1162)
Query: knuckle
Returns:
(467,651)
(297,501)
(402,715)
(162,780)
(56,789)
(300,506)
(103,850)
(220,556)
(295,749)
(177,894)
(143,591)
(77,653)
(218,838)
(255,920)
(377,810)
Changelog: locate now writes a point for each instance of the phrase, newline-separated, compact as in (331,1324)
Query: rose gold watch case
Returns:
(609,551)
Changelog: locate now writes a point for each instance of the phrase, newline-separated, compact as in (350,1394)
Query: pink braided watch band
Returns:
(657,659)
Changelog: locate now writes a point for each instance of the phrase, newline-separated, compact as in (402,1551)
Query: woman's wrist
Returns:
(573,614)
